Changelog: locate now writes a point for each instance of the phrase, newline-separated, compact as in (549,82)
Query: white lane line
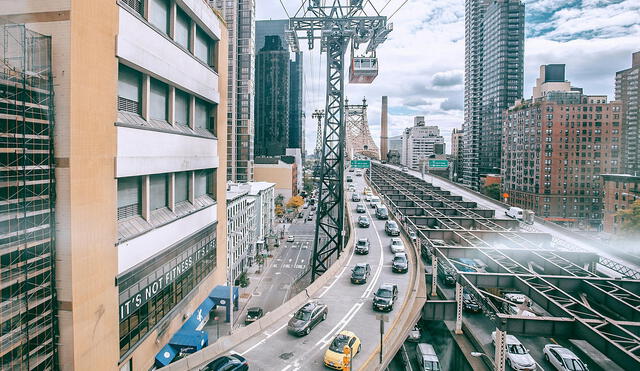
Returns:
(338,276)
(376,276)
(340,325)
(263,340)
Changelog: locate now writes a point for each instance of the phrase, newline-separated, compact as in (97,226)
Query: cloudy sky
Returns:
(422,61)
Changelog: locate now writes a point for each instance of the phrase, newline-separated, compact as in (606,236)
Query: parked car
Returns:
(363,222)
(469,303)
(291,238)
(396,245)
(307,317)
(563,359)
(360,209)
(518,357)
(253,314)
(360,273)
(385,297)
(355,197)
(232,362)
(400,263)
(382,213)
(414,335)
(427,357)
(334,355)
(391,228)
(362,246)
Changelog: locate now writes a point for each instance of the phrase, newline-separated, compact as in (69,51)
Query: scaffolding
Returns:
(28,310)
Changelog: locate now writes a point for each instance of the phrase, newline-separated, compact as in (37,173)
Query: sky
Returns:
(422,61)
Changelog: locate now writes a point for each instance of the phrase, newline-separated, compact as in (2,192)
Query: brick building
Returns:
(555,146)
(620,191)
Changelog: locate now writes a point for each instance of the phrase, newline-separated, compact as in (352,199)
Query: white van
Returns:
(515,213)
(427,357)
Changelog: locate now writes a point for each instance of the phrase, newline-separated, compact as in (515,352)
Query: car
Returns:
(563,359)
(307,317)
(351,170)
(359,173)
(311,213)
(367,197)
(309,218)
(400,263)
(391,228)
(360,273)
(291,238)
(413,236)
(414,335)
(382,213)
(300,215)
(313,207)
(405,169)
(333,357)
(253,314)
(469,302)
(305,206)
(385,297)
(363,222)
(427,357)
(517,304)
(352,188)
(515,213)
(397,245)
(360,209)
(349,179)
(355,197)
(374,200)
(231,362)
(362,246)
(518,357)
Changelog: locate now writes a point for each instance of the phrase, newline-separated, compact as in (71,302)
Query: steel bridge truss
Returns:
(579,304)
(359,140)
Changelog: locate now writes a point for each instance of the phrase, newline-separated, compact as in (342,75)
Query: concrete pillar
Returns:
(172,191)
(146,95)
(172,105)
(434,275)
(192,111)
(145,198)
(501,350)
(458,308)
(192,186)
(384,131)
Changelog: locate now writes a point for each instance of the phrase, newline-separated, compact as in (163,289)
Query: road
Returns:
(349,305)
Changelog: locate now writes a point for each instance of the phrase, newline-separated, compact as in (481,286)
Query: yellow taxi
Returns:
(333,357)
(367,191)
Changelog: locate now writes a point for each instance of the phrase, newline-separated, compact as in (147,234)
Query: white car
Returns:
(518,357)
(414,335)
(562,358)
(291,238)
(367,198)
(396,245)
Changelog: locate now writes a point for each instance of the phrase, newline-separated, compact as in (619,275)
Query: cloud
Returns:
(448,78)
(450,104)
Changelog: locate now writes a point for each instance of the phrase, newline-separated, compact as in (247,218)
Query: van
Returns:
(427,357)
(515,213)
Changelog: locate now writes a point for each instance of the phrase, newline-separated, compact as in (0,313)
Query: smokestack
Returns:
(384,135)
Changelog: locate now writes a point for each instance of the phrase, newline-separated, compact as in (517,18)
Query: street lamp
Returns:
(480,354)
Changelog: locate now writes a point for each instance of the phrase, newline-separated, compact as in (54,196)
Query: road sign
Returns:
(439,163)
(361,164)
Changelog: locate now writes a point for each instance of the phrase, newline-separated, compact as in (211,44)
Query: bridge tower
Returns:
(359,140)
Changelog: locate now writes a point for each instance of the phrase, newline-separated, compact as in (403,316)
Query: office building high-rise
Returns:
(456,154)
(628,92)
(241,23)
(494,76)
(420,142)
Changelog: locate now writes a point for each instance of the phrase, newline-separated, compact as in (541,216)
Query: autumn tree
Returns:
(295,202)
(630,219)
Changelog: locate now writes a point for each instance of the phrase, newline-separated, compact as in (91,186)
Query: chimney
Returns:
(384,135)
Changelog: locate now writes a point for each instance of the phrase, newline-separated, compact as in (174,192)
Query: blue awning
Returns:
(199,317)
(165,355)
(221,292)
(196,339)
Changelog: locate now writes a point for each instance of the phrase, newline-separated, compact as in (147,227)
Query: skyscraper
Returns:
(240,18)
(628,91)
(494,75)
(272,98)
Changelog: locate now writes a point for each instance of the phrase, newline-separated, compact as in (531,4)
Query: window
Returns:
(129,197)
(129,89)
(159,14)
(181,108)
(202,45)
(205,183)
(205,116)
(158,100)
(157,191)
(182,25)
(181,187)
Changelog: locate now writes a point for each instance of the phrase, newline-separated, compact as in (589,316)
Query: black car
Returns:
(361,209)
(360,273)
(362,246)
(355,197)
(307,317)
(447,275)
(363,222)
(400,263)
(349,179)
(232,362)
(382,213)
(384,298)
(391,228)
(253,314)
(469,303)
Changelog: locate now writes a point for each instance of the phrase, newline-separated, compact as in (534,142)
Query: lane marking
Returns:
(263,340)
(343,322)
(376,276)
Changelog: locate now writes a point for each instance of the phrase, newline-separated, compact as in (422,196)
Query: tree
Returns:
(279,199)
(308,184)
(493,191)
(295,202)
(279,210)
(630,219)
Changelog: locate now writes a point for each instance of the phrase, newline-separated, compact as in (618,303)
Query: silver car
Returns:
(562,358)
(396,245)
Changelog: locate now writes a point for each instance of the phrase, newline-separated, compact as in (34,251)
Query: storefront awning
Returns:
(195,339)
(165,355)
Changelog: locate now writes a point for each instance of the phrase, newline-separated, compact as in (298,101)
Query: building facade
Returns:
(456,154)
(555,149)
(241,228)
(241,23)
(137,168)
(272,98)
(620,192)
(419,143)
(282,171)
(628,92)
(265,197)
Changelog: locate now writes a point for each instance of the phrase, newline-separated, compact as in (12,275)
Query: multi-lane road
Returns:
(350,308)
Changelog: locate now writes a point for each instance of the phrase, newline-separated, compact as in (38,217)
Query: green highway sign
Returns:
(439,163)
(361,164)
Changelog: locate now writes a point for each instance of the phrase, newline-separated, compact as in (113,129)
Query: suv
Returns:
(396,245)
(355,197)
(363,221)
(362,247)
(384,298)
(253,314)
(382,213)
(360,209)
(307,317)
(391,228)
(518,357)
(400,263)
(360,273)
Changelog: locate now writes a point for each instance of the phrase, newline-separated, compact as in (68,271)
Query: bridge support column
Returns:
(501,350)
(458,308)
(434,275)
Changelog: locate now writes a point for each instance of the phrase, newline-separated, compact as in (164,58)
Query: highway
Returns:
(350,308)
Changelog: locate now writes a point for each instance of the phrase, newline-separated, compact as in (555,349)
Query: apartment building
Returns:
(241,228)
(628,92)
(456,154)
(265,197)
(282,171)
(137,169)
(420,142)
(556,146)
(620,192)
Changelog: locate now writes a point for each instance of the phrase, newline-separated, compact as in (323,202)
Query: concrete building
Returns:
(395,143)
(494,78)
(628,92)
(241,23)
(555,149)
(241,228)
(620,191)
(420,142)
(137,168)
(265,213)
(282,171)
(456,154)
(297,154)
